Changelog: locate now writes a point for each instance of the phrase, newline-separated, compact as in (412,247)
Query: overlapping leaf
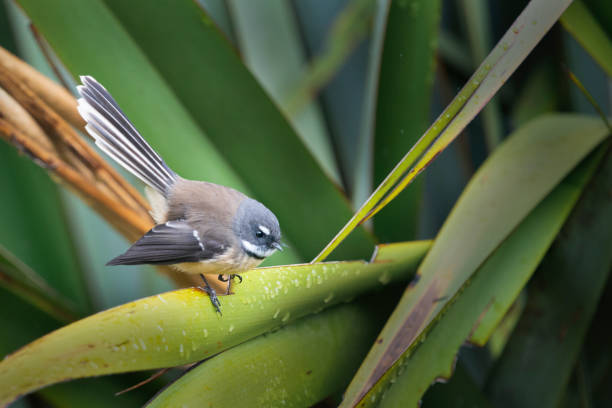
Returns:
(301,364)
(203,115)
(181,327)
(531,25)
(506,188)
(546,345)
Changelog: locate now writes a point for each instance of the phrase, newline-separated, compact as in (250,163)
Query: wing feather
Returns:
(170,243)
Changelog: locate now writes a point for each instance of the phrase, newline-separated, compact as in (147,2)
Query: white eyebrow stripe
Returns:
(265,230)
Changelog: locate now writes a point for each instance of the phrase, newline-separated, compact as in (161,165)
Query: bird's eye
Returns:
(259,234)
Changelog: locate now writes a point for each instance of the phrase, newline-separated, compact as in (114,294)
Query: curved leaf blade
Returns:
(566,289)
(485,299)
(535,21)
(303,363)
(34,230)
(520,173)
(165,101)
(241,121)
(75,36)
(24,282)
(181,327)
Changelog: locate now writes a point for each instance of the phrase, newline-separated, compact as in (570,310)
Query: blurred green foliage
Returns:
(210,84)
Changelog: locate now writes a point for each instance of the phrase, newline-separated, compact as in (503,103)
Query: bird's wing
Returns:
(170,243)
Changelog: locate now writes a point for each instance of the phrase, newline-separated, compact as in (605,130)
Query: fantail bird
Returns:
(201,227)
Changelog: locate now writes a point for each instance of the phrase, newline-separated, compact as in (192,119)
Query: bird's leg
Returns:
(229,280)
(213,295)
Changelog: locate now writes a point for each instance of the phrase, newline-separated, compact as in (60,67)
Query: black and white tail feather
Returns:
(170,242)
(116,136)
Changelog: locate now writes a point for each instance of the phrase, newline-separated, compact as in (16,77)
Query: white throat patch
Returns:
(257,250)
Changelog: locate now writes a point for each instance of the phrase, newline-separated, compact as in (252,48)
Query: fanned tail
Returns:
(116,136)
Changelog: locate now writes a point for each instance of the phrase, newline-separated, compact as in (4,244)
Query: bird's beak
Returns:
(278,246)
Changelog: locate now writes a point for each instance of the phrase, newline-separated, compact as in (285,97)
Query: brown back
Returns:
(207,207)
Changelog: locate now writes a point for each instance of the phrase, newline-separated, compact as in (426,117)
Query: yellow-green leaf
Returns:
(301,364)
(520,173)
(181,327)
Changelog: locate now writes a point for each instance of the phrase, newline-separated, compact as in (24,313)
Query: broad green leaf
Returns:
(491,318)
(531,25)
(182,327)
(579,22)
(22,322)
(163,114)
(86,228)
(241,121)
(510,184)
(563,298)
(301,364)
(271,47)
(137,86)
(108,285)
(34,230)
(487,295)
(403,107)
(24,282)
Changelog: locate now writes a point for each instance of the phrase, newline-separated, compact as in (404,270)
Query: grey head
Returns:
(257,229)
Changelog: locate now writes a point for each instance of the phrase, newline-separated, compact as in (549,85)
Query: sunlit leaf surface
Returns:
(295,366)
(182,327)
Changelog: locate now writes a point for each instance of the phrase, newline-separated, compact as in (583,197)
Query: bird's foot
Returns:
(222,277)
(229,280)
(212,293)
